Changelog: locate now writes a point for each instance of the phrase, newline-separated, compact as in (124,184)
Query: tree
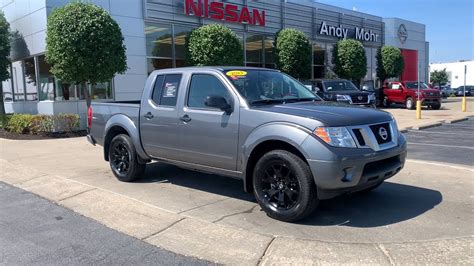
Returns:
(4,55)
(214,45)
(293,53)
(439,77)
(349,60)
(84,45)
(389,62)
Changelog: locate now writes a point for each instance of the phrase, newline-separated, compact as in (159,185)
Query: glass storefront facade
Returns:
(32,80)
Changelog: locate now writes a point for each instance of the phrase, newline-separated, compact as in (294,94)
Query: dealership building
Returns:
(154,33)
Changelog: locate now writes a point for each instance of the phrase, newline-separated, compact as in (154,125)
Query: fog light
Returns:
(348,174)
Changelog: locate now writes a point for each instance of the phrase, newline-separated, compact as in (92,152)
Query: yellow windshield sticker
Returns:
(236,73)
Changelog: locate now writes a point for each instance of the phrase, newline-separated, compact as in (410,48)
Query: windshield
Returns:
(414,85)
(264,86)
(340,85)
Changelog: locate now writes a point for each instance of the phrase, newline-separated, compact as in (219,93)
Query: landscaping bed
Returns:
(33,127)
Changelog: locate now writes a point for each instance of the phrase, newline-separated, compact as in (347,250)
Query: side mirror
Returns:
(218,102)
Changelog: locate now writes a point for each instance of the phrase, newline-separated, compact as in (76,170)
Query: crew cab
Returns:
(342,90)
(407,93)
(290,148)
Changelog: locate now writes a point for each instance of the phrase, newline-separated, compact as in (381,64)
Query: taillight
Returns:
(89,117)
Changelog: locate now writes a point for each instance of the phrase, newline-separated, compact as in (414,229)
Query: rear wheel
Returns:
(123,159)
(409,103)
(283,186)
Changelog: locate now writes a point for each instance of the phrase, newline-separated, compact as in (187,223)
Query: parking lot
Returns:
(422,215)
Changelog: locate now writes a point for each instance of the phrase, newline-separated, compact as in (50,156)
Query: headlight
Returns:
(335,136)
(372,97)
(343,98)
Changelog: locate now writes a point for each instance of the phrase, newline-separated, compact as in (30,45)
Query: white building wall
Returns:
(456,72)
(416,40)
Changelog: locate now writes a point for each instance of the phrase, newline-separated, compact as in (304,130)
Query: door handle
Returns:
(148,115)
(185,118)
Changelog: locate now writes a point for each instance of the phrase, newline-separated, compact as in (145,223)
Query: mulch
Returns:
(45,135)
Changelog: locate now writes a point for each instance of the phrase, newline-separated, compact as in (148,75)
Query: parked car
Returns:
(290,148)
(460,91)
(342,90)
(407,93)
(446,91)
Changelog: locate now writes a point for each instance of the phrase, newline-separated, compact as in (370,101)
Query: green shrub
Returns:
(4,119)
(34,124)
(20,123)
(390,62)
(349,60)
(214,45)
(293,53)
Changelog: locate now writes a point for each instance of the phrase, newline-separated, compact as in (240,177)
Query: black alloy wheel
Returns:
(280,186)
(123,159)
(120,158)
(284,186)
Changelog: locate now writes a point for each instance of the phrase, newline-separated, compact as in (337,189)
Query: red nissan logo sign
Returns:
(224,11)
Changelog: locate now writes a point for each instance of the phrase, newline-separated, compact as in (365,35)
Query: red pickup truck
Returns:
(407,93)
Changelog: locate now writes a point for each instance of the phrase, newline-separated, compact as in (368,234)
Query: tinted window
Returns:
(166,88)
(342,85)
(158,88)
(414,85)
(203,85)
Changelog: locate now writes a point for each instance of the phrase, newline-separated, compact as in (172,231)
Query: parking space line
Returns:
(441,145)
(471,169)
(435,132)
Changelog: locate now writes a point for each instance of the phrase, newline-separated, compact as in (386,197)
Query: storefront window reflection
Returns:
(159,43)
(8,88)
(254,50)
(180,35)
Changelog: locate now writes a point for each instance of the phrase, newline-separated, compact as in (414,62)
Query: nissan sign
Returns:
(224,11)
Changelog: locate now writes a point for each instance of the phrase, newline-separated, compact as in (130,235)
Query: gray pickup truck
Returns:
(290,148)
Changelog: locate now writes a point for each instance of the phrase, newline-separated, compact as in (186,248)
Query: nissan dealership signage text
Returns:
(224,11)
(341,32)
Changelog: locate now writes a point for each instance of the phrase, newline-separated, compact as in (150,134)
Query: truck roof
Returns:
(220,68)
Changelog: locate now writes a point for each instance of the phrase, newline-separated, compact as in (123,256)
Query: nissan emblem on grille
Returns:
(383,133)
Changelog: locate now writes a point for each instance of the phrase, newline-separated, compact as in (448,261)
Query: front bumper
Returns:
(351,170)
(430,101)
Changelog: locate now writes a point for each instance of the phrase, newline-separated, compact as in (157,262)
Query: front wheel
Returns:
(410,105)
(123,159)
(284,187)
(436,106)
(385,102)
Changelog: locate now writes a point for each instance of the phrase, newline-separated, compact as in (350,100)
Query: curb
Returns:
(425,126)
(452,121)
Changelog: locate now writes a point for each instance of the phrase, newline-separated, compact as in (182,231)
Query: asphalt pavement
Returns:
(36,231)
(449,143)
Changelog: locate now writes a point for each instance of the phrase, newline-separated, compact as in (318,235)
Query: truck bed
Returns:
(105,111)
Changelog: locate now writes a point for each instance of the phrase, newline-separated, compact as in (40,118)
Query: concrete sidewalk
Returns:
(423,215)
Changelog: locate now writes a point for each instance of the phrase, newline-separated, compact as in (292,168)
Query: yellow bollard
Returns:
(418,109)
(464,107)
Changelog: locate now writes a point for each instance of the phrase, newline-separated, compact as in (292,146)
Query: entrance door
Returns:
(209,136)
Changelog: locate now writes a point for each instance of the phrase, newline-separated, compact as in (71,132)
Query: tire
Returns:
(409,104)
(123,159)
(385,102)
(369,189)
(436,106)
(288,178)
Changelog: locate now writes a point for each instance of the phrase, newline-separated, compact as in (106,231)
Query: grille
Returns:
(359,137)
(363,98)
(379,133)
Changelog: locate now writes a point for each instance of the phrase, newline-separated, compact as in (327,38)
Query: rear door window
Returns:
(165,92)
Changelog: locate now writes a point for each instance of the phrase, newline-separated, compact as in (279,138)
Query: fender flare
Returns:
(128,125)
(289,133)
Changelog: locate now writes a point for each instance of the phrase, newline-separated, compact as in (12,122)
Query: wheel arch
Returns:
(271,137)
(122,124)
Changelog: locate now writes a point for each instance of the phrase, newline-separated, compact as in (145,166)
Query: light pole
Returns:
(464,104)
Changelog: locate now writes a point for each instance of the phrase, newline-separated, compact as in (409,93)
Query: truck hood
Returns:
(350,93)
(331,113)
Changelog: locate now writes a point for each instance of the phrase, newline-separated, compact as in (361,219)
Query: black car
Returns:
(342,90)
(460,91)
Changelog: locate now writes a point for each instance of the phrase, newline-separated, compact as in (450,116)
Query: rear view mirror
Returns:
(218,102)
